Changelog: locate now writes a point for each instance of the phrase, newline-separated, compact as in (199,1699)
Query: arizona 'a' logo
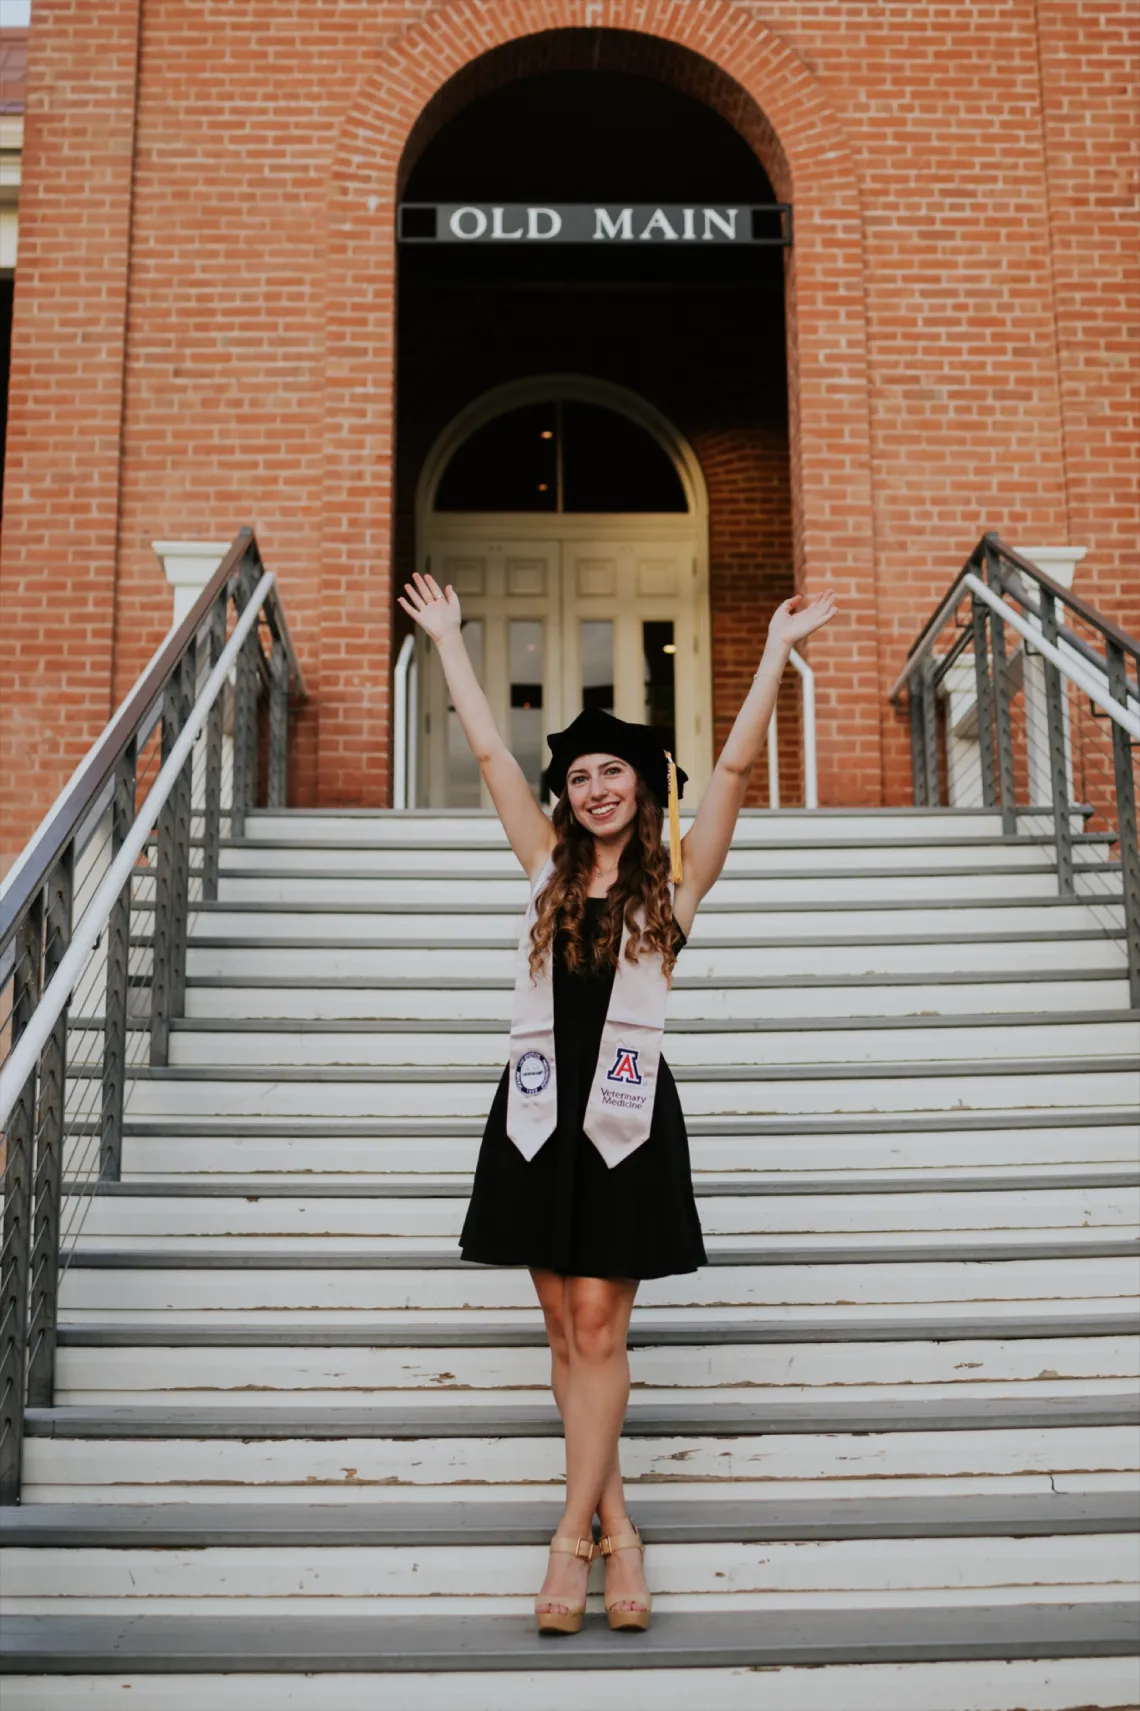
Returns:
(625,1067)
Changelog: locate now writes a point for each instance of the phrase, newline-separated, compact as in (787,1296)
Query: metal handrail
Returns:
(73,961)
(94,773)
(403,780)
(993,545)
(21,1060)
(1069,668)
(1049,664)
(807,713)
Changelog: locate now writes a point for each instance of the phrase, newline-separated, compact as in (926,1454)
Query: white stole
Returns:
(620,1108)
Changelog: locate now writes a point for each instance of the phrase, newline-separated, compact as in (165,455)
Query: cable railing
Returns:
(94,924)
(1023,698)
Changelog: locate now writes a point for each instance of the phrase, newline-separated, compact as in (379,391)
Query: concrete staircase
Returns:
(883,1448)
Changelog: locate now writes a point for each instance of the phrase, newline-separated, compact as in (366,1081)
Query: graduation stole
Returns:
(620,1107)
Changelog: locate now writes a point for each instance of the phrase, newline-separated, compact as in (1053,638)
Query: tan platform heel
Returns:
(637,1619)
(566,1621)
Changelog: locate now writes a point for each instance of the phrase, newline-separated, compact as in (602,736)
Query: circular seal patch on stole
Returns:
(532,1072)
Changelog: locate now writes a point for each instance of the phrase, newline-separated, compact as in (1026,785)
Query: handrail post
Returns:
(245,711)
(165,885)
(118,979)
(983,693)
(1007,790)
(215,641)
(1126,818)
(14,1254)
(915,691)
(930,734)
(276,785)
(43,1278)
(1058,771)
(181,797)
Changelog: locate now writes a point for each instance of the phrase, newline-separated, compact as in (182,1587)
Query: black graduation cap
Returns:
(596,732)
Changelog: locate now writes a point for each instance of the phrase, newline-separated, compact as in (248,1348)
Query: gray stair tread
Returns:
(791,941)
(682,983)
(680,1025)
(641,1336)
(57,1645)
(818,906)
(463,875)
(330,1258)
(763,1072)
(459,1187)
(855,1124)
(486,1420)
(174,1525)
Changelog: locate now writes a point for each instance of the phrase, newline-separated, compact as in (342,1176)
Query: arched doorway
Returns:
(571,519)
(663,368)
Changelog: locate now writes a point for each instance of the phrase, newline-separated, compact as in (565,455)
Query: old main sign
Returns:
(588,223)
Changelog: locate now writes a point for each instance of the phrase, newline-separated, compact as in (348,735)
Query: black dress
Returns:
(566,1210)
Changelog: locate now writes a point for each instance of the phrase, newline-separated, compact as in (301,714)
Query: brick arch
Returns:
(726,58)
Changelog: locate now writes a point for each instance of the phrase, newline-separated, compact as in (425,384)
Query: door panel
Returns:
(606,614)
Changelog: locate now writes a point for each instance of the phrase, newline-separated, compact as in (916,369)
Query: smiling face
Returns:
(602,792)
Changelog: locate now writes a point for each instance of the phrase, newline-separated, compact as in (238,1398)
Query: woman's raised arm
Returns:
(706,844)
(437,612)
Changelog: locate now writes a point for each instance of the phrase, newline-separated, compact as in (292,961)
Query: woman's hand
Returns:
(793,619)
(434,610)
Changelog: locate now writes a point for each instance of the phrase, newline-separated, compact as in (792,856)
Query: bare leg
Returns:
(551,1288)
(586,1326)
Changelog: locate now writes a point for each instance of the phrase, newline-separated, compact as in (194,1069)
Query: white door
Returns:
(606,611)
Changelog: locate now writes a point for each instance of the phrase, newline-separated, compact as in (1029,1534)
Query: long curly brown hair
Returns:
(638,898)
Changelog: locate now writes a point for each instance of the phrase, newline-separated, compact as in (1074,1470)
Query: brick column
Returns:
(61,491)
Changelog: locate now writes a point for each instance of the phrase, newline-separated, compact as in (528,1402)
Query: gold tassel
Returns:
(674,821)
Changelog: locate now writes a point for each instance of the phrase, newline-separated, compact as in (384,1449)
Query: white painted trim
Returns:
(692,525)
(807,690)
(538,389)
(9,239)
(773,762)
(401,767)
(188,567)
(22,1059)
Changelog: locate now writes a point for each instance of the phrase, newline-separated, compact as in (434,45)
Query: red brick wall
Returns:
(58,547)
(962,304)
(1088,52)
(750,572)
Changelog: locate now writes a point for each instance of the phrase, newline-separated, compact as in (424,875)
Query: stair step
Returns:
(359,1148)
(494,1579)
(426,923)
(789,1182)
(853,1370)
(1056,1209)
(283,1645)
(828,1464)
(282,887)
(802,854)
(891,1427)
(269,957)
(41,1526)
(223,1287)
(390,1254)
(474,1331)
(287,1091)
(995,995)
(529,1420)
(453,1042)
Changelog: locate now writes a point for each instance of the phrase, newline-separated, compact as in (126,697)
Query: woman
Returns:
(583,1174)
